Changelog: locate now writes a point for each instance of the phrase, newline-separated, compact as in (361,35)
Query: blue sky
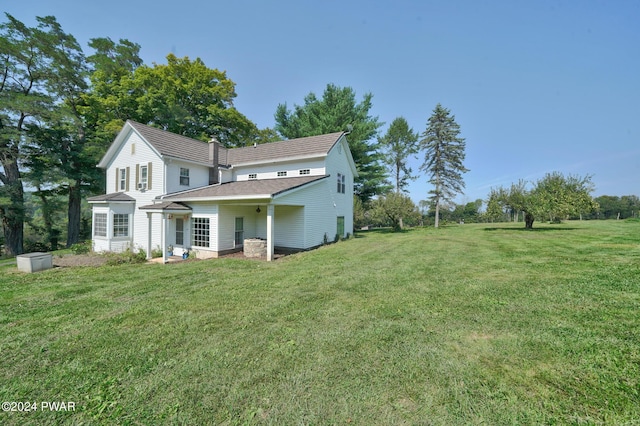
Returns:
(536,86)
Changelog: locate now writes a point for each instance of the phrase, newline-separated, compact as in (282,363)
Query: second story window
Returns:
(144,176)
(122,179)
(253,176)
(184,176)
(341,183)
(305,171)
(282,174)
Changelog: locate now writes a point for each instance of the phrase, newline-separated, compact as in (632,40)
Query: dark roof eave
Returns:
(219,192)
(115,197)
(167,206)
(299,186)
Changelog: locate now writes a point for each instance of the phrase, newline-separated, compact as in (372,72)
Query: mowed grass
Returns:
(472,324)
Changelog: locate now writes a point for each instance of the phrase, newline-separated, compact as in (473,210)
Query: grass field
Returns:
(472,324)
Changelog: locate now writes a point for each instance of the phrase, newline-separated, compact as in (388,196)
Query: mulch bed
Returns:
(79,260)
(71,260)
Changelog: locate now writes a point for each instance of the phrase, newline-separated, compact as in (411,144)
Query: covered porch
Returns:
(174,214)
(223,215)
(207,230)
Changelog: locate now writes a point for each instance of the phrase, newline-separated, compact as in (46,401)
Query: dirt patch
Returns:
(79,260)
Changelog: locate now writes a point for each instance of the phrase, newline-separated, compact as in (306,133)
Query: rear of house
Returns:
(165,191)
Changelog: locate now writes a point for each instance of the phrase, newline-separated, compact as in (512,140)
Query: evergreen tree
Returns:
(29,87)
(338,111)
(398,145)
(444,154)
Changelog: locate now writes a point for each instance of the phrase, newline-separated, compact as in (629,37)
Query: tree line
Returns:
(479,211)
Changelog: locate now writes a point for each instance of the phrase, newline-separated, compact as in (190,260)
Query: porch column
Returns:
(149,221)
(163,238)
(270,231)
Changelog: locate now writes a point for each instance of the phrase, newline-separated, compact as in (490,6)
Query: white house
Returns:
(169,190)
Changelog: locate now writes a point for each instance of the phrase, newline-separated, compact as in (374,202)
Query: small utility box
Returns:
(34,262)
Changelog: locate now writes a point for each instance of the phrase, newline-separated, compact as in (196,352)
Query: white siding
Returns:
(109,242)
(134,152)
(171,233)
(100,244)
(303,217)
(323,203)
(209,211)
(289,227)
(318,214)
(226,175)
(270,171)
(337,162)
(198,176)
(227,224)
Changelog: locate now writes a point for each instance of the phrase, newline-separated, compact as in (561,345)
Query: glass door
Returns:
(239,236)
(179,231)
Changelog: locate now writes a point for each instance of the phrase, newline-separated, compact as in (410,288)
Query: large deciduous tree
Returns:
(392,208)
(554,197)
(444,156)
(561,196)
(183,96)
(337,111)
(188,98)
(111,99)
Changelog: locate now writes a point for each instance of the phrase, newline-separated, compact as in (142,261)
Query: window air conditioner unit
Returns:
(142,186)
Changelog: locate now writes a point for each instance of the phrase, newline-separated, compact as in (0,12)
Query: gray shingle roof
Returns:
(247,188)
(172,145)
(300,147)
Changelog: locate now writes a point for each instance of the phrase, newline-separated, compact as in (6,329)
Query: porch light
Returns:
(258,209)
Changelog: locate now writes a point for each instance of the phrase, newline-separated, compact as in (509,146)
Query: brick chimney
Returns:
(214,151)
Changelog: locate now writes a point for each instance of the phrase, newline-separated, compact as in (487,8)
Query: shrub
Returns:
(127,256)
(156,252)
(81,248)
(33,246)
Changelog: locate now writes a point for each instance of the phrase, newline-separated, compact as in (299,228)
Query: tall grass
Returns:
(463,325)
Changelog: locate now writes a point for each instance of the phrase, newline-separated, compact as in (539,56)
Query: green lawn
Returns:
(473,324)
